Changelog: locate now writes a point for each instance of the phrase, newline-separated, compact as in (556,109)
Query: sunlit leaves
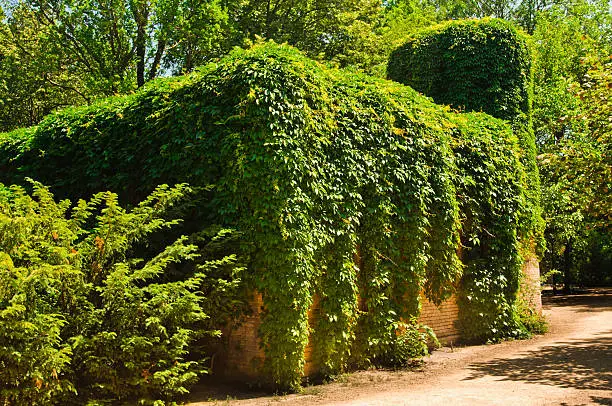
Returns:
(83,319)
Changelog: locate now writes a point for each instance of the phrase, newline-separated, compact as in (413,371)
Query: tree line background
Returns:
(60,53)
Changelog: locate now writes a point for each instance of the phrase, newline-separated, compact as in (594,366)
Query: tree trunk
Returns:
(268,19)
(161,46)
(141,17)
(188,65)
(567,267)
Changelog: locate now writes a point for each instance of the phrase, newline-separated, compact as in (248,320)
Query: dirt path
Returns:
(571,365)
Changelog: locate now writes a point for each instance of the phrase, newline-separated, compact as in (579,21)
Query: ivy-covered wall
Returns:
(343,186)
(474,65)
(480,65)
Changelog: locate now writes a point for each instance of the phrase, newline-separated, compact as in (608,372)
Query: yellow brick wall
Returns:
(530,289)
(310,368)
(442,319)
(242,358)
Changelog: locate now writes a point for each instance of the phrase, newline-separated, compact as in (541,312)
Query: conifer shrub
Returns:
(339,185)
(85,321)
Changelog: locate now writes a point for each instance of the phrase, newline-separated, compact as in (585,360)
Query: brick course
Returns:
(530,287)
(241,357)
(442,319)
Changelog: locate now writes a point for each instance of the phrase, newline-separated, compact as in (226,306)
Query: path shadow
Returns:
(580,364)
(588,300)
(583,364)
(607,401)
(218,390)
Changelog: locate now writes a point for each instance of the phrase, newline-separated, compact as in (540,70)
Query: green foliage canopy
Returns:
(571,107)
(341,185)
(34,79)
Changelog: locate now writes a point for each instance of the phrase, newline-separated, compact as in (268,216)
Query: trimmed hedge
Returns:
(342,185)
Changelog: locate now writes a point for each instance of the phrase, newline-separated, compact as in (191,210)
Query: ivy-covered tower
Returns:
(482,66)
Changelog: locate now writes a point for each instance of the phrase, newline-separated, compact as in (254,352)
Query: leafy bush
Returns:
(339,185)
(412,342)
(534,322)
(84,319)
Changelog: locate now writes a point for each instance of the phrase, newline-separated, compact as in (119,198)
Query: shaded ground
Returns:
(570,365)
(583,364)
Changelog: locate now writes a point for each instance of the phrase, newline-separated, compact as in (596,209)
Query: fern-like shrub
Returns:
(85,320)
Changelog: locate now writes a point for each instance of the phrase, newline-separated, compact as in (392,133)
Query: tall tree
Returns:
(35,76)
(311,25)
(367,40)
(99,36)
(200,31)
(586,158)
(560,45)
(576,182)
(456,9)
(527,11)
(120,44)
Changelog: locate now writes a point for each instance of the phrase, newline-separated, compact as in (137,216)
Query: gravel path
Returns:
(570,365)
